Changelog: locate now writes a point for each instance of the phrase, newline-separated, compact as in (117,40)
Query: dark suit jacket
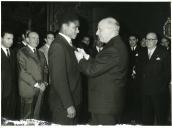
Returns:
(32,69)
(65,77)
(107,77)
(8,74)
(155,73)
(133,56)
(9,90)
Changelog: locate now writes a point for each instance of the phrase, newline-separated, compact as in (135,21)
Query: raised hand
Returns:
(79,55)
(86,56)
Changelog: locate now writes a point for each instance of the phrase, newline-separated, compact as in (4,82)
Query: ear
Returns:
(27,39)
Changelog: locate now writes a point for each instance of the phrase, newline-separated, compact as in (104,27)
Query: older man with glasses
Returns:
(154,63)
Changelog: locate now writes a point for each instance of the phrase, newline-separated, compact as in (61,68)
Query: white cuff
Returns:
(36,85)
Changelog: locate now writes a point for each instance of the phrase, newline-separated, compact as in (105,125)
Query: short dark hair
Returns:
(68,17)
(5,32)
(49,32)
(135,35)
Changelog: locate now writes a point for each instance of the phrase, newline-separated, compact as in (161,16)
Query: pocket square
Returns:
(137,54)
(158,58)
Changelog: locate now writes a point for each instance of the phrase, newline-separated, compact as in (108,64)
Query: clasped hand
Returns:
(80,54)
(42,86)
(71,112)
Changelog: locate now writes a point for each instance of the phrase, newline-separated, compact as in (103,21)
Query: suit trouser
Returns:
(59,116)
(8,107)
(28,107)
(104,119)
(155,107)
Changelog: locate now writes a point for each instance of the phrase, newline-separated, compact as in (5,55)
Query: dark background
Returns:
(134,17)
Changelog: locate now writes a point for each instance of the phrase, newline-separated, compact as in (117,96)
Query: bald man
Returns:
(33,74)
(155,73)
(107,74)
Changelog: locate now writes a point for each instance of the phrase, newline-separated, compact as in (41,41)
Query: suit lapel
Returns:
(154,54)
(3,54)
(69,48)
(66,43)
(32,55)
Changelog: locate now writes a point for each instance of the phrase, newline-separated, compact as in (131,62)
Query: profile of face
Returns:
(151,40)
(133,41)
(7,40)
(49,39)
(107,29)
(86,40)
(164,42)
(33,39)
(72,29)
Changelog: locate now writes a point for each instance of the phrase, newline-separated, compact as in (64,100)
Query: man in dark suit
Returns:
(133,103)
(32,77)
(8,77)
(65,90)
(48,40)
(155,75)
(107,74)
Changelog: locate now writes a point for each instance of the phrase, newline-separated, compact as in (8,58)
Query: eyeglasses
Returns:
(151,39)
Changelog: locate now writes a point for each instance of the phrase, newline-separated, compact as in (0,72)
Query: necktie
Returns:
(132,48)
(8,53)
(149,54)
(35,52)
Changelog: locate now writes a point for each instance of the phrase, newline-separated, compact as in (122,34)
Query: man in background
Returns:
(33,77)
(8,77)
(49,39)
(155,77)
(133,103)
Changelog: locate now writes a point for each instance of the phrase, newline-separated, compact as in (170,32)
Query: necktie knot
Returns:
(34,50)
(8,53)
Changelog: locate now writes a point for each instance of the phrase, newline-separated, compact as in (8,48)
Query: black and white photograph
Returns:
(86,63)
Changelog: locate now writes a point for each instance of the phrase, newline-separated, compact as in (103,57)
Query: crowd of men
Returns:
(123,84)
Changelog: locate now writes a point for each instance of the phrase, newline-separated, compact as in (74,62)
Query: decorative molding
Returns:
(167,28)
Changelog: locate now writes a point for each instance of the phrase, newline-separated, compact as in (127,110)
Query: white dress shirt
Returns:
(31,48)
(67,38)
(150,52)
(24,43)
(5,50)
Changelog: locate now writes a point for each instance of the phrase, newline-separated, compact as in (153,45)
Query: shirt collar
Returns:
(151,50)
(48,46)
(31,48)
(99,48)
(133,48)
(24,43)
(4,49)
(67,38)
